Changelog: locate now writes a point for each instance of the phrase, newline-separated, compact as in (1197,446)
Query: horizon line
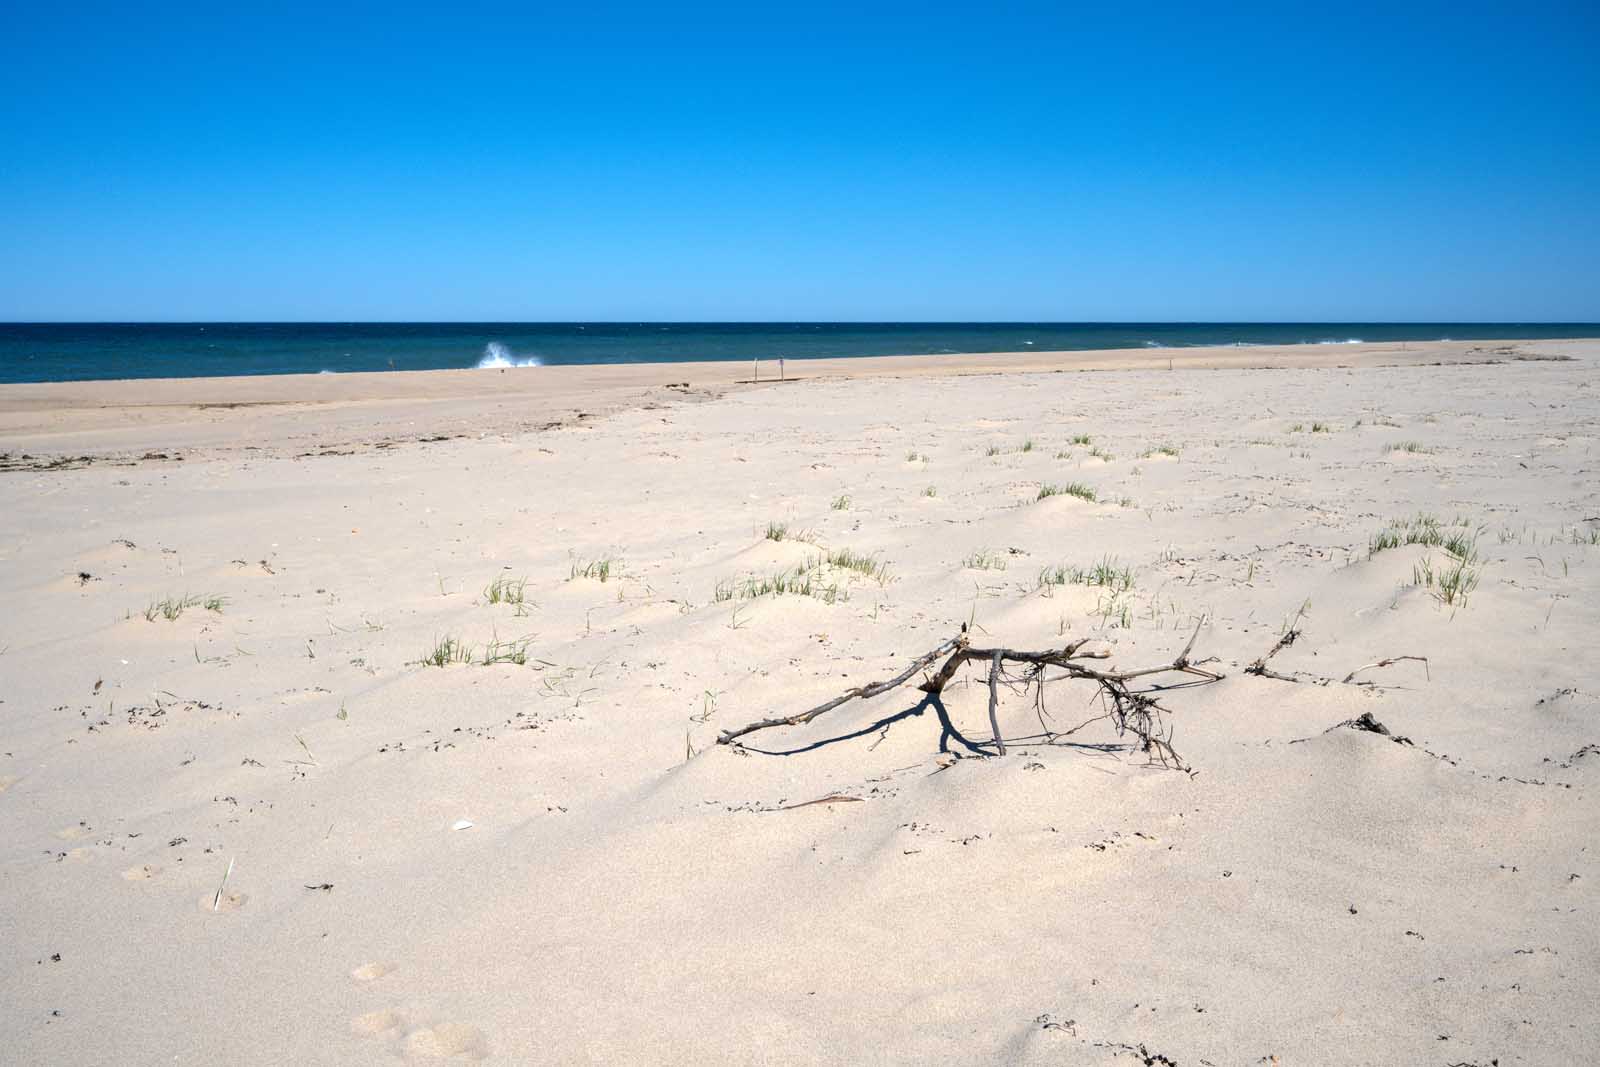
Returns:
(799,322)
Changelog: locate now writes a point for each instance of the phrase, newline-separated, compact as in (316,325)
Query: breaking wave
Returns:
(497,355)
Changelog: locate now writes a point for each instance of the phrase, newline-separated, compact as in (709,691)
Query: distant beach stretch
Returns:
(42,352)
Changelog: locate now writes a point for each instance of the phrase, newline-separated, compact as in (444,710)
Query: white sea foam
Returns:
(498,356)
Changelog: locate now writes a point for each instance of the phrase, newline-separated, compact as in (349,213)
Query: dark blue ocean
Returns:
(43,352)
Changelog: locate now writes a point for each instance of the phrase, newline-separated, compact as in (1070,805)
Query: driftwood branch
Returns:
(863,692)
(1292,634)
(1129,710)
(994,701)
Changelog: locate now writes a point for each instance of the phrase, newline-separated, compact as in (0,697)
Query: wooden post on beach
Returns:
(755,370)
(780,369)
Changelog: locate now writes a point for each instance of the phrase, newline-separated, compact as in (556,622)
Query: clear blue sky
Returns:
(810,162)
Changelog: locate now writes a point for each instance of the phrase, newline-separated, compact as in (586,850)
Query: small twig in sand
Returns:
(307,748)
(831,798)
(1290,635)
(216,901)
(1388,663)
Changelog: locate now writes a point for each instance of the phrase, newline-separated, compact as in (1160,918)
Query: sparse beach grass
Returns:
(984,560)
(1077,489)
(447,650)
(1452,583)
(507,590)
(498,651)
(864,565)
(803,580)
(172,607)
(1115,610)
(451,649)
(783,531)
(1459,538)
(811,578)
(1106,574)
(599,569)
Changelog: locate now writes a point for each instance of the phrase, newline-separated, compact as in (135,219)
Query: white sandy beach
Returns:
(628,890)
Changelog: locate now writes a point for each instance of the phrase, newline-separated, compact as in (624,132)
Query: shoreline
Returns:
(103,418)
(59,351)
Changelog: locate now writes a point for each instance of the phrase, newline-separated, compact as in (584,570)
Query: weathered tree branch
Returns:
(1128,710)
(1260,668)
(862,692)
(994,702)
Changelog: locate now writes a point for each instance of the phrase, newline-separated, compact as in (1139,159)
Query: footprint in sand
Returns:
(7,781)
(447,1039)
(374,1023)
(72,833)
(439,1041)
(369,971)
(229,901)
(141,872)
